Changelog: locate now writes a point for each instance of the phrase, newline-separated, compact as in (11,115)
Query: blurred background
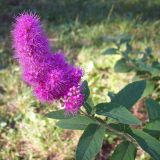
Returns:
(80,28)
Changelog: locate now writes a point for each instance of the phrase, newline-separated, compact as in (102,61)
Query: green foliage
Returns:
(110,51)
(78,122)
(90,142)
(88,104)
(150,87)
(85,89)
(153,109)
(124,151)
(119,127)
(121,66)
(118,109)
(60,114)
(111,95)
(143,63)
(130,94)
(147,142)
(153,128)
(117,112)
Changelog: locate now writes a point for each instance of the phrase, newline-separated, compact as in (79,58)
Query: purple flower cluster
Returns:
(49,74)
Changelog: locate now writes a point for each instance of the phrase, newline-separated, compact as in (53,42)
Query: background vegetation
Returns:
(80,28)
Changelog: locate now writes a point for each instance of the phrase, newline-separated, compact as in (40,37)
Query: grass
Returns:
(79,28)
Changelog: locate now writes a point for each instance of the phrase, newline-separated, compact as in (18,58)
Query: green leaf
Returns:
(123,38)
(79,122)
(149,88)
(143,66)
(130,94)
(119,127)
(124,151)
(111,95)
(60,114)
(120,39)
(155,72)
(117,112)
(153,128)
(147,142)
(148,50)
(121,66)
(85,89)
(110,51)
(153,109)
(88,105)
(90,142)
(128,48)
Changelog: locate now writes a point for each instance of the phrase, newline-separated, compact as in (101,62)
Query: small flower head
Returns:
(73,100)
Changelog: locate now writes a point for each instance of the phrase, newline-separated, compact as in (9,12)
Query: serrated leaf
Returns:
(117,112)
(121,66)
(79,122)
(153,109)
(60,114)
(124,151)
(90,142)
(110,51)
(130,94)
(147,142)
(153,128)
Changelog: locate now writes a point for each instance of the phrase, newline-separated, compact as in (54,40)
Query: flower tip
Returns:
(73,100)
(27,15)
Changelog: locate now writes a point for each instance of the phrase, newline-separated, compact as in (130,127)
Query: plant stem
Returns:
(123,135)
